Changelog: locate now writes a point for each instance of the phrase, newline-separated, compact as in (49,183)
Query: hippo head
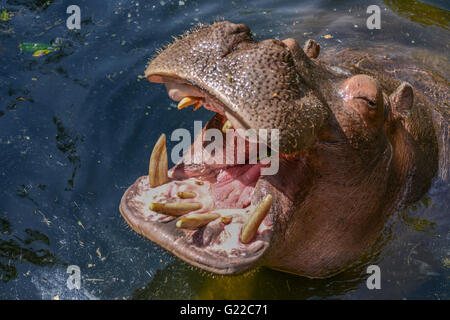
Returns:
(330,196)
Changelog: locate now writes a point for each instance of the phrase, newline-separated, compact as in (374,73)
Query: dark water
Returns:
(77,127)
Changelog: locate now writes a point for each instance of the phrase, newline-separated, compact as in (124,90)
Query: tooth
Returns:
(195,221)
(158,167)
(226,126)
(175,209)
(226,220)
(250,228)
(200,183)
(186,195)
(187,101)
(197,105)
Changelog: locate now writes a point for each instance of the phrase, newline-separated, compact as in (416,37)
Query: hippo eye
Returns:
(371,103)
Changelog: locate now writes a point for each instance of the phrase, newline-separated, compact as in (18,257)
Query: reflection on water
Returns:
(77,126)
(181,281)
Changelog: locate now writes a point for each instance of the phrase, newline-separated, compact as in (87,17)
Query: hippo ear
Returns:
(402,100)
(312,49)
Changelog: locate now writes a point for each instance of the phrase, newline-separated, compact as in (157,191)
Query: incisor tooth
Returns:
(227,125)
(250,228)
(175,209)
(187,101)
(158,166)
(186,195)
(195,221)
(226,220)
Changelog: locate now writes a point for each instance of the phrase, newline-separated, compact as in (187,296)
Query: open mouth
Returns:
(217,215)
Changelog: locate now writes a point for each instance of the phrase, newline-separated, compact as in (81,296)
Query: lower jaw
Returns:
(215,247)
(184,245)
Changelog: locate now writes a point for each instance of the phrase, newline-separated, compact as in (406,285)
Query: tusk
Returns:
(158,167)
(187,101)
(250,228)
(186,195)
(175,209)
(195,221)
(227,125)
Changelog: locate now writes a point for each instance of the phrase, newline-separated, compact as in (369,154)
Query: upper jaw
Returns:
(258,84)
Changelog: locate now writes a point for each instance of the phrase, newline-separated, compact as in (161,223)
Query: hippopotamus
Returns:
(355,146)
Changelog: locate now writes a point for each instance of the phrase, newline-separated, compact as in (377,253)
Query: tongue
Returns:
(235,185)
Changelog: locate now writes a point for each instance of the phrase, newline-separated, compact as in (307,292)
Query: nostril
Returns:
(236,35)
(312,49)
(291,44)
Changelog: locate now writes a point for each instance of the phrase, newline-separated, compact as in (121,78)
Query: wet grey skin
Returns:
(258,83)
(355,146)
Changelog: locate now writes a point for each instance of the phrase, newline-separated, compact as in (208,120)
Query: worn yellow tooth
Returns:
(227,125)
(200,183)
(186,195)
(175,209)
(194,221)
(226,220)
(158,166)
(250,228)
(187,101)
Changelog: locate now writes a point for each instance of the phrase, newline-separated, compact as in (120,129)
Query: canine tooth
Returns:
(227,125)
(187,101)
(195,221)
(175,209)
(158,166)
(250,228)
(186,195)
